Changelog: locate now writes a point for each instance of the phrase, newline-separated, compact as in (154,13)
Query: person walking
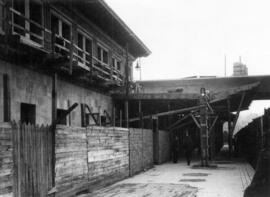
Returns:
(188,146)
(175,148)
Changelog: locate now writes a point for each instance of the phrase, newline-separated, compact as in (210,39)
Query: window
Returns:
(61,114)
(116,64)
(62,32)
(1,16)
(28,113)
(103,55)
(28,19)
(84,49)
(103,120)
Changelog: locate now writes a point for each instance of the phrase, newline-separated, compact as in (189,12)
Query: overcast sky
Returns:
(191,37)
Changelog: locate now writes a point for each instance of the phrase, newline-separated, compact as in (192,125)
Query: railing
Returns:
(61,45)
(33,33)
(82,57)
(23,27)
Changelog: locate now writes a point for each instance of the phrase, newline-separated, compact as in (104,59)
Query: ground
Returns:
(229,179)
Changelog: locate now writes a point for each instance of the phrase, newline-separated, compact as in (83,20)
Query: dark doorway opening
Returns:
(28,113)
(61,114)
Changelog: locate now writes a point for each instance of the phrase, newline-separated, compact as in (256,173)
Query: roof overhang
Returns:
(100,14)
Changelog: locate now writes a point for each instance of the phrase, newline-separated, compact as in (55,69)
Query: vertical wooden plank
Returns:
(19,134)
(34,142)
(23,143)
(15,159)
(43,169)
(54,117)
(120,124)
(229,127)
(46,161)
(41,161)
(30,164)
(83,115)
(127,113)
(49,158)
(6,93)
(38,160)
(27,159)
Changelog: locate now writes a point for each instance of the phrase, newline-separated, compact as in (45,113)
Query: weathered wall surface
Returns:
(71,157)
(88,157)
(141,150)
(164,146)
(27,86)
(69,93)
(6,160)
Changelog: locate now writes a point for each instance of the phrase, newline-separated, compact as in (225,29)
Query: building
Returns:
(58,53)
(240,69)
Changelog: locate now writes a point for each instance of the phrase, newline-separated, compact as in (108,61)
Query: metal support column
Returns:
(229,127)
(204,131)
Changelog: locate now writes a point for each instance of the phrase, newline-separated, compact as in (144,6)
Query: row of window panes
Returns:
(1,15)
(59,27)
(31,28)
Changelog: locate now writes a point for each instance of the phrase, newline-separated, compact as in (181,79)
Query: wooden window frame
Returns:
(85,37)
(60,20)
(2,11)
(116,60)
(27,25)
(102,54)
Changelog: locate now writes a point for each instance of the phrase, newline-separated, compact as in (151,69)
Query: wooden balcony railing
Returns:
(32,33)
(29,30)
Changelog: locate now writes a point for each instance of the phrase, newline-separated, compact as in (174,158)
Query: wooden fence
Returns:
(32,160)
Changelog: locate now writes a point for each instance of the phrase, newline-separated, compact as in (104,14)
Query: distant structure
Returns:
(240,69)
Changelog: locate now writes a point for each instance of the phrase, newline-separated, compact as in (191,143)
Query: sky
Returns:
(191,37)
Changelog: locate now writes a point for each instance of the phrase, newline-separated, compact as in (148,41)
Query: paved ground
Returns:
(229,179)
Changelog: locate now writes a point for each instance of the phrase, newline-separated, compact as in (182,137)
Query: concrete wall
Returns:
(6,161)
(141,150)
(162,146)
(90,157)
(27,86)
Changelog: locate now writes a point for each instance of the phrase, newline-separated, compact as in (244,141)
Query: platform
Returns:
(229,179)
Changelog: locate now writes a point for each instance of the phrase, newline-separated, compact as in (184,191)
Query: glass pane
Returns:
(118,65)
(113,62)
(36,16)
(66,30)
(19,6)
(80,41)
(88,45)
(1,15)
(99,53)
(105,57)
(54,24)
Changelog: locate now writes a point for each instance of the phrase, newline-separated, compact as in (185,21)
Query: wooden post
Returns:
(120,118)
(204,131)
(54,98)
(54,118)
(83,118)
(113,114)
(69,117)
(127,88)
(229,127)
(140,114)
(126,114)
(6,92)
(261,131)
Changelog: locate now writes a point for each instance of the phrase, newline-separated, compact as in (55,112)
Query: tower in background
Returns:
(240,69)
